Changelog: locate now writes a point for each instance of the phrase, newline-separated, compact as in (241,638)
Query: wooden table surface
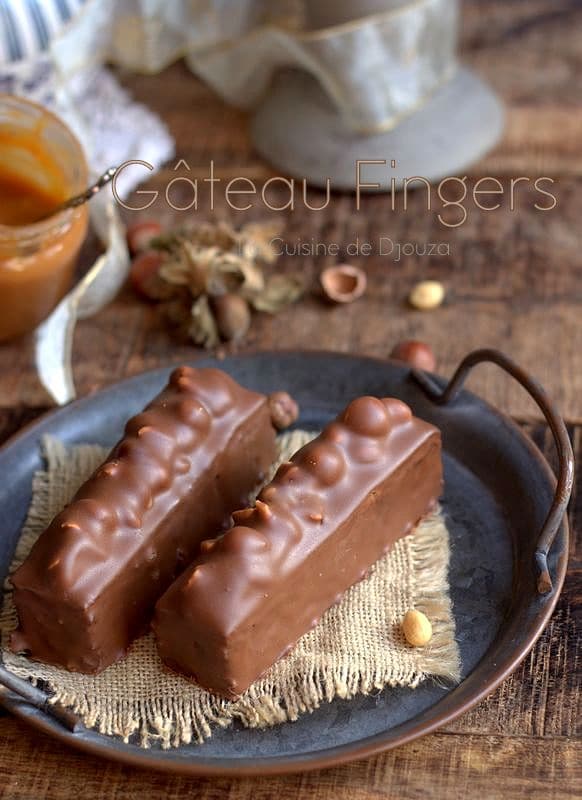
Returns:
(514,281)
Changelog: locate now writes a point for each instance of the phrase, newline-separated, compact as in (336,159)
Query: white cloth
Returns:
(111,126)
(47,55)
(375,69)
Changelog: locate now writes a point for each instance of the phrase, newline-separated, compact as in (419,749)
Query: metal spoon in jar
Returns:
(80,199)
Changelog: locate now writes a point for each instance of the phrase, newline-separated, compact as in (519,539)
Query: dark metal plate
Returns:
(498,490)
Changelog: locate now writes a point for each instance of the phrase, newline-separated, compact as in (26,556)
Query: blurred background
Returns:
(513,278)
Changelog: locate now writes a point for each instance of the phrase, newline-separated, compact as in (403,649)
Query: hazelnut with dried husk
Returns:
(233,316)
(145,276)
(140,235)
(211,277)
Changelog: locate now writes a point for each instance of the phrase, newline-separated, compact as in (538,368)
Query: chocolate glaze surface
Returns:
(315,530)
(89,585)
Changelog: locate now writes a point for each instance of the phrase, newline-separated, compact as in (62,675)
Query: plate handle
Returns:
(555,422)
(37,698)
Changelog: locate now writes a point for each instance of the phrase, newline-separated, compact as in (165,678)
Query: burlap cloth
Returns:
(357,647)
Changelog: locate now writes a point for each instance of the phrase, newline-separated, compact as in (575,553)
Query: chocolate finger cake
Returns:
(89,585)
(315,530)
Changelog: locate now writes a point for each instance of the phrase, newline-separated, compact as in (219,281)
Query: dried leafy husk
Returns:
(208,262)
(256,240)
(209,270)
(176,271)
(167,241)
(279,292)
(221,235)
(253,278)
(203,329)
(225,274)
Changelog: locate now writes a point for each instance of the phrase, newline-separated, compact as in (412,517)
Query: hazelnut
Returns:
(397,410)
(284,410)
(427,295)
(416,628)
(367,416)
(325,461)
(140,235)
(417,354)
(233,316)
(145,277)
(343,283)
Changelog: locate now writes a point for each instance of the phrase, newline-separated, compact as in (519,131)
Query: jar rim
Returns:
(59,220)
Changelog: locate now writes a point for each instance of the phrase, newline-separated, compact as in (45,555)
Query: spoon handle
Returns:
(79,199)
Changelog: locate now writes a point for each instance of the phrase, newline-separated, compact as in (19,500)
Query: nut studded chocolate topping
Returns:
(315,530)
(89,585)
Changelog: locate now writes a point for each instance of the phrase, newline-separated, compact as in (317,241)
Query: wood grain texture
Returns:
(514,280)
(444,765)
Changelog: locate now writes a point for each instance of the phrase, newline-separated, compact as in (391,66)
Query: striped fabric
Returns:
(28,26)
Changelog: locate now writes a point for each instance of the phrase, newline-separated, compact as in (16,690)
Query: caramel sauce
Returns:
(23,202)
(31,183)
(36,261)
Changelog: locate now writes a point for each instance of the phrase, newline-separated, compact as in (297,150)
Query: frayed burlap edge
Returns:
(178,712)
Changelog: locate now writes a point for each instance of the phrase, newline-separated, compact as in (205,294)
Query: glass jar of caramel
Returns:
(41,165)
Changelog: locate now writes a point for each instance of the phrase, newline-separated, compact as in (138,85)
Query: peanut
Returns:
(416,628)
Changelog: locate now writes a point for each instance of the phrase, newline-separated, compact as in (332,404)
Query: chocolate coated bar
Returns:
(316,529)
(89,585)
